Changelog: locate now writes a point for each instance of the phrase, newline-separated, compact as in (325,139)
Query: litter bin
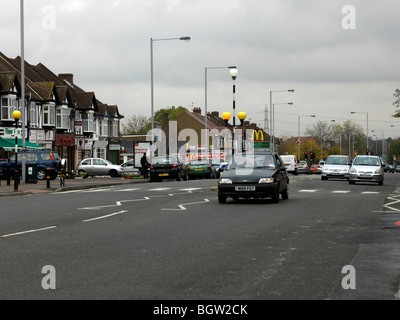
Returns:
(31,173)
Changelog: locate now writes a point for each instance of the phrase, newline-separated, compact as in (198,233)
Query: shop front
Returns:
(65,146)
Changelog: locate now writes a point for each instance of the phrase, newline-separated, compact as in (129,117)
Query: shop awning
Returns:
(9,145)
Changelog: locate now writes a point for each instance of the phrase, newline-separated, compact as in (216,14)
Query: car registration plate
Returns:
(163,174)
(198,169)
(245,188)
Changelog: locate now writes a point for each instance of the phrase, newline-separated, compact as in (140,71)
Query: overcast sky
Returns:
(336,61)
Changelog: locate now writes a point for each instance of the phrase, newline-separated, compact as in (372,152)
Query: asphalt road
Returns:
(172,240)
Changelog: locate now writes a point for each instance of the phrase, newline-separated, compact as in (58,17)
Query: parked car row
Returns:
(169,167)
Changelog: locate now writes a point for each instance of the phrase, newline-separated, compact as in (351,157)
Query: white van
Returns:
(290,162)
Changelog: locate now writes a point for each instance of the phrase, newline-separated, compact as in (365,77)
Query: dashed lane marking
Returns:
(105,216)
(27,231)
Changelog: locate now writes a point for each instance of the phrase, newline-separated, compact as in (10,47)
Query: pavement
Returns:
(69,184)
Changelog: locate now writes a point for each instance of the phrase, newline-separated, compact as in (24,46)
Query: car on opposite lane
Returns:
(99,167)
(169,167)
(366,168)
(129,168)
(313,169)
(257,175)
(201,168)
(302,167)
(336,166)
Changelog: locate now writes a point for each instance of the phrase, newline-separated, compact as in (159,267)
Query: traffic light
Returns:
(367,151)
(305,155)
(312,154)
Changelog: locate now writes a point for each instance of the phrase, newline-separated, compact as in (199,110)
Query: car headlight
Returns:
(266,180)
(353,170)
(378,171)
(225,180)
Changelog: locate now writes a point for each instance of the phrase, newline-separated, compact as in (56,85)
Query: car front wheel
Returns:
(221,198)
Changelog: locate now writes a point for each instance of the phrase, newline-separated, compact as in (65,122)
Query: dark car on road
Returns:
(257,175)
(169,167)
(389,168)
(42,160)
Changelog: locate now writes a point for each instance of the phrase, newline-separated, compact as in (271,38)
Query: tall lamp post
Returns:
(353,112)
(22,105)
(187,39)
(273,122)
(16,115)
(205,99)
(298,138)
(271,115)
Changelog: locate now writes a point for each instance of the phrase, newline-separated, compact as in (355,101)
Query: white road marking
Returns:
(307,190)
(105,216)
(182,206)
(370,192)
(28,231)
(117,204)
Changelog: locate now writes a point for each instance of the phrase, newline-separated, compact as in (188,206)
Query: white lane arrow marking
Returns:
(182,206)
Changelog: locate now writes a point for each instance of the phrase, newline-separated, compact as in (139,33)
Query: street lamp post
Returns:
(273,122)
(205,99)
(271,138)
(22,106)
(152,80)
(298,138)
(16,115)
(353,112)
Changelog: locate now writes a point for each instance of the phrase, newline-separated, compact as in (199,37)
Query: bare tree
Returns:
(396,103)
(322,131)
(135,124)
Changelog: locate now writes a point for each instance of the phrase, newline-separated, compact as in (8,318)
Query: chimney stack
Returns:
(67,77)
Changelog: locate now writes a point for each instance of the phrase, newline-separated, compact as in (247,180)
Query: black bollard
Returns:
(48,177)
(16,178)
(8,173)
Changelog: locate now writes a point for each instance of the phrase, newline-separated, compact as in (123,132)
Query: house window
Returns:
(62,118)
(8,105)
(88,123)
(114,128)
(33,114)
(103,127)
(48,115)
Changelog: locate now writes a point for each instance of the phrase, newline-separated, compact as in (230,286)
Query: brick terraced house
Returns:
(59,115)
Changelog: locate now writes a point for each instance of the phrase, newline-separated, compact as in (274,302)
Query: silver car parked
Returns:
(99,167)
(336,166)
(366,168)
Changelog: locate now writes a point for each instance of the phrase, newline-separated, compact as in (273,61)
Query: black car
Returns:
(168,167)
(257,175)
(389,168)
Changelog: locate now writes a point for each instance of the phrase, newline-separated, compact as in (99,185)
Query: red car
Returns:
(313,169)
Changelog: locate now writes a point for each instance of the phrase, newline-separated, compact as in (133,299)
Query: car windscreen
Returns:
(166,160)
(252,161)
(337,160)
(366,161)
